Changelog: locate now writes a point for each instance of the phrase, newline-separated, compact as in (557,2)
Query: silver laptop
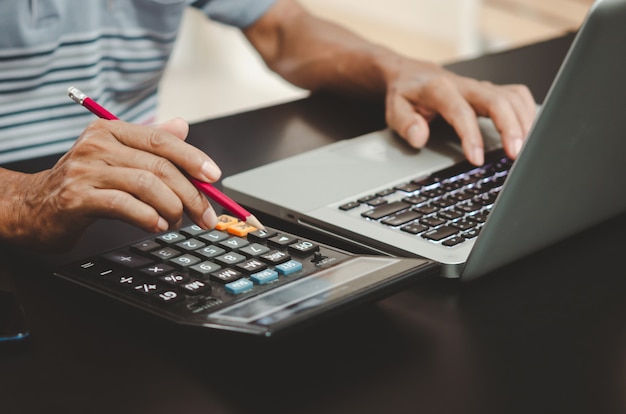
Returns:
(569,176)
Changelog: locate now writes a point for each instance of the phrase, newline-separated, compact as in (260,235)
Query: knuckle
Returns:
(144,180)
(113,203)
(197,200)
(156,140)
(495,101)
(161,167)
(68,201)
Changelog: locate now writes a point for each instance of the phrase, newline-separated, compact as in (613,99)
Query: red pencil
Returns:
(206,188)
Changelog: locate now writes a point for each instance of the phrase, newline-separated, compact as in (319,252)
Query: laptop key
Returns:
(440,233)
(401,218)
(385,210)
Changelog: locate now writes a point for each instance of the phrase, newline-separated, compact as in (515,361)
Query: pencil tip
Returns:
(254,222)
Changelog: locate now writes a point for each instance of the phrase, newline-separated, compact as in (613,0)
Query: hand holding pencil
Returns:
(204,187)
(114,170)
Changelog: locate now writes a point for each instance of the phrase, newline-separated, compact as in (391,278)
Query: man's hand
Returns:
(114,170)
(319,55)
(419,91)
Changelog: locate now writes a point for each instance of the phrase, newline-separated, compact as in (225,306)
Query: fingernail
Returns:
(478,156)
(162,224)
(517,145)
(211,171)
(209,218)
(412,134)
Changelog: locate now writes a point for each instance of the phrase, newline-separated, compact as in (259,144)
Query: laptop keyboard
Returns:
(448,207)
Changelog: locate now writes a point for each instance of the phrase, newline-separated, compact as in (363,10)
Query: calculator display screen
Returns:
(308,293)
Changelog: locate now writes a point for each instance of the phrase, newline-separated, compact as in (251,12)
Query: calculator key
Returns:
(145,246)
(226,275)
(254,250)
(108,274)
(175,278)
(289,268)
(234,243)
(190,245)
(147,288)
(128,281)
(156,270)
(170,238)
(205,268)
(210,251)
(251,266)
(165,253)
(169,297)
(127,259)
(303,248)
(195,287)
(261,235)
(264,277)
(282,240)
(104,272)
(239,286)
(185,260)
(275,257)
(241,229)
(230,258)
(214,236)
(192,231)
(92,267)
(225,221)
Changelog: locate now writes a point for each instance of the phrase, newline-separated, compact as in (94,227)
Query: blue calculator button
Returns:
(238,286)
(264,277)
(289,267)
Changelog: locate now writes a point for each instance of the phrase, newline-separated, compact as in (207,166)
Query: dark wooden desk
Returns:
(546,335)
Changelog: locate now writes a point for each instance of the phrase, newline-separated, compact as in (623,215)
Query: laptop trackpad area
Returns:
(338,171)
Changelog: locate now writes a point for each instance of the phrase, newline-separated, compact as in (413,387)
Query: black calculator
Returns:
(239,278)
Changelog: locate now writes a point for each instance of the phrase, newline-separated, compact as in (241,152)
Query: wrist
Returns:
(12,208)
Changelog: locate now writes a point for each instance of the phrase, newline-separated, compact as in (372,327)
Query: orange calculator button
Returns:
(241,229)
(225,221)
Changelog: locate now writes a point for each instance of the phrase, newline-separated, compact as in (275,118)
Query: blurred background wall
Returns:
(214,72)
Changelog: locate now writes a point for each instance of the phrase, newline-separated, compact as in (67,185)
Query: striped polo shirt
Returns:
(113,50)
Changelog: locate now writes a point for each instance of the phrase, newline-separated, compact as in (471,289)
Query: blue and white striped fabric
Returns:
(113,50)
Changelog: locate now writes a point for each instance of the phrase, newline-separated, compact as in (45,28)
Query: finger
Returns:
(158,182)
(446,99)
(153,193)
(504,109)
(177,127)
(120,205)
(167,145)
(524,105)
(410,125)
(195,204)
(146,187)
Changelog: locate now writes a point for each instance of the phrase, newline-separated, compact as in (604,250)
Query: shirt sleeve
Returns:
(238,13)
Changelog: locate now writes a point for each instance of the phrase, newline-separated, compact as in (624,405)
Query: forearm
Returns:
(316,54)
(12,228)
